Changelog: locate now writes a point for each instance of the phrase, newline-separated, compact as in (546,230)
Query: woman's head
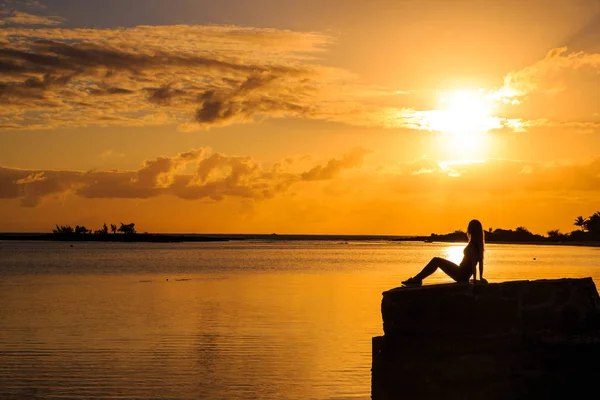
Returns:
(475,234)
(475,228)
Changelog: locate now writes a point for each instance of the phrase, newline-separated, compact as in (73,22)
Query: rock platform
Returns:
(512,340)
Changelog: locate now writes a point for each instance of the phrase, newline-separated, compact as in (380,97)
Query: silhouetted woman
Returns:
(473,254)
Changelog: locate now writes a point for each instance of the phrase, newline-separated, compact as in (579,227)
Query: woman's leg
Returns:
(451,269)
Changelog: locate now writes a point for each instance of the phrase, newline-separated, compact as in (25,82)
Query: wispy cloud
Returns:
(561,89)
(23,18)
(110,153)
(541,75)
(498,178)
(206,75)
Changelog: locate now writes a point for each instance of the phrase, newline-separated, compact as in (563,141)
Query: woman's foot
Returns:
(412,282)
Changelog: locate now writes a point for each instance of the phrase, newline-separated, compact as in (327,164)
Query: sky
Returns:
(391,117)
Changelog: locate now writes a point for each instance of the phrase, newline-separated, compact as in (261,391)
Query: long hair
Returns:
(476,237)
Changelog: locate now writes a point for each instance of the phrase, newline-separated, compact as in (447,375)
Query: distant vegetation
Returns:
(122,233)
(125,229)
(589,231)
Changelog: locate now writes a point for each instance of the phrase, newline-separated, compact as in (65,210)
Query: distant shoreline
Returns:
(343,239)
(144,237)
(547,242)
(179,238)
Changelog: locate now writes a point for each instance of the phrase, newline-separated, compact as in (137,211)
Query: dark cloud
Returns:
(252,97)
(52,54)
(108,91)
(163,95)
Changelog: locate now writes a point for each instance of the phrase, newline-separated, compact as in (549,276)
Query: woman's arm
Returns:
(481,278)
(481,269)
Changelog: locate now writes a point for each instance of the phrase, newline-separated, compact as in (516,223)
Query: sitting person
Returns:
(473,254)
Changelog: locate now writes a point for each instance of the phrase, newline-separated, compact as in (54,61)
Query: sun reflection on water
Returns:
(454,252)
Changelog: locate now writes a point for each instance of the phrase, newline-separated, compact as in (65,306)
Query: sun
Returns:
(464,117)
(465,112)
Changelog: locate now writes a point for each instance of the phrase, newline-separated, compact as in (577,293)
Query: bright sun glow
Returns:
(465,117)
(464,112)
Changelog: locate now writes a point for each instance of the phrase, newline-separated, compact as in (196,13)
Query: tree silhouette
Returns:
(103,231)
(592,224)
(63,230)
(80,230)
(113,228)
(555,234)
(580,222)
(127,229)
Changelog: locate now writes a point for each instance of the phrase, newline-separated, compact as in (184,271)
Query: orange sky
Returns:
(339,117)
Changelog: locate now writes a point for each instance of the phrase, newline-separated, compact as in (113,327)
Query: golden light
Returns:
(454,253)
(464,117)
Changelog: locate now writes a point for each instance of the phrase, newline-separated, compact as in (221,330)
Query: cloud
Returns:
(197,77)
(250,97)
(498,178)
(353,159)
(110,153)
(193,175)
(206,75)
(23,18)
(163,95)
(203,174)
(557,62)
(559,89)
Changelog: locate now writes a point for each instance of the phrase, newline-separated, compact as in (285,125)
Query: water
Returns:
(234,320)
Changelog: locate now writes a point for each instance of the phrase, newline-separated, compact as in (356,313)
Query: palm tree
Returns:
(592,224)
(113,228)
(580,222)
(127,229)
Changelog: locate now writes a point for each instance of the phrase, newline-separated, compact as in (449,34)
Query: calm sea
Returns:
(232,320)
